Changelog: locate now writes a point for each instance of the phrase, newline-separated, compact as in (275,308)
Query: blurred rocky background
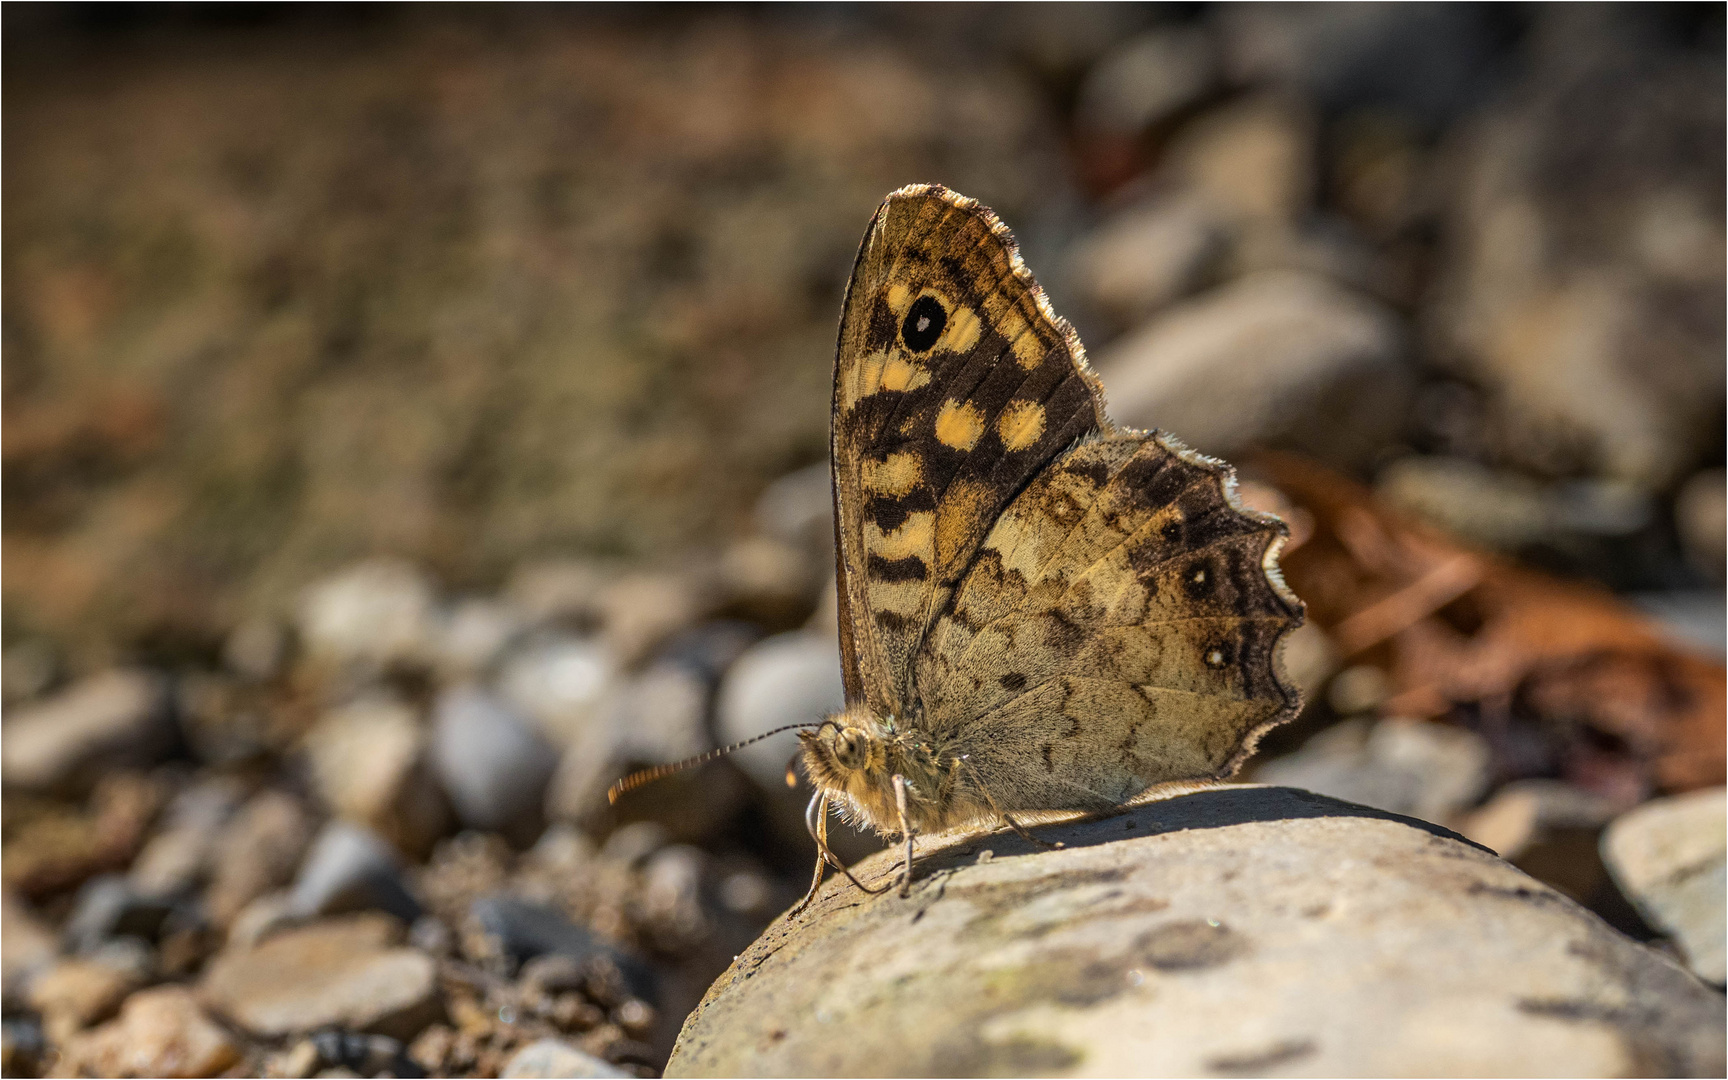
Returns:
(416,417)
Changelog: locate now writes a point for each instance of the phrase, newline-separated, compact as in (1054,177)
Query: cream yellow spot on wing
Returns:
(1020,424)
(913,537)
(899,299)
(902,374)
(1024,542)
(900,597)
(1011,325)
(864,379)
(1029,350)
(894,475)
(1010,322)
(962,330)
(959,520)
(959,424)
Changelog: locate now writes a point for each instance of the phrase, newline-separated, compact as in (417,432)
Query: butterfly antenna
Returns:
(643,776)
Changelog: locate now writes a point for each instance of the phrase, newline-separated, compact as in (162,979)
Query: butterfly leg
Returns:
(834,860)
(1020,831)
(816,821)
(906,832)
(815,815)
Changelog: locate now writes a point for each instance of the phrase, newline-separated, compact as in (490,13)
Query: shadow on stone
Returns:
(1215,808)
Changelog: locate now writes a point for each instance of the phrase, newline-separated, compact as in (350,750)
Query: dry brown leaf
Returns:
(1466,633)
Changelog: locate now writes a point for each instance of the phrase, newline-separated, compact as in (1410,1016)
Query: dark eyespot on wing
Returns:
(924,324)
(1013,682)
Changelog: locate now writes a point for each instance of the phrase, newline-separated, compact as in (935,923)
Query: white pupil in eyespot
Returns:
(923,323)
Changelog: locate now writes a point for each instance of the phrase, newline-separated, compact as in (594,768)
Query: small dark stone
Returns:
(524,931)
(368,1055)
(108,907)
(24,1044)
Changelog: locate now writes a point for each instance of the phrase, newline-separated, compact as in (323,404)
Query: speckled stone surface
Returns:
(1236,931)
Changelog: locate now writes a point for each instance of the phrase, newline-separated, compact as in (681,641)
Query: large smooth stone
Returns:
(345,973)
(1260,931)
(1279,357)
(1667,857)
(160,1032)
(114,719)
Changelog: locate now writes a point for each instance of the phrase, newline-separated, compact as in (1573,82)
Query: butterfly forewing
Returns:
(954,386)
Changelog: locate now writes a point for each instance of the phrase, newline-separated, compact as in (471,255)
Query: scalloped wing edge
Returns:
(1225,473)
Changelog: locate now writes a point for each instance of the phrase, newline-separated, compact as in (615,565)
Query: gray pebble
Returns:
(108,907)
(350,869)
(556,1058)
(492,761)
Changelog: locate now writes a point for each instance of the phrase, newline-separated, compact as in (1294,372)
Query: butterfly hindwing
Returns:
(954,386)
(1117,629)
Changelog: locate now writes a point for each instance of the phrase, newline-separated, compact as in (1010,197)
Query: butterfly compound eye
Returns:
(849,748)
(923,324)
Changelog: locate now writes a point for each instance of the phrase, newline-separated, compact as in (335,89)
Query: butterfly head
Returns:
(854,756)
(847,748)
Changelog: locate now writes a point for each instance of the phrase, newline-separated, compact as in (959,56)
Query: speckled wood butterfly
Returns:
(1039,610)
